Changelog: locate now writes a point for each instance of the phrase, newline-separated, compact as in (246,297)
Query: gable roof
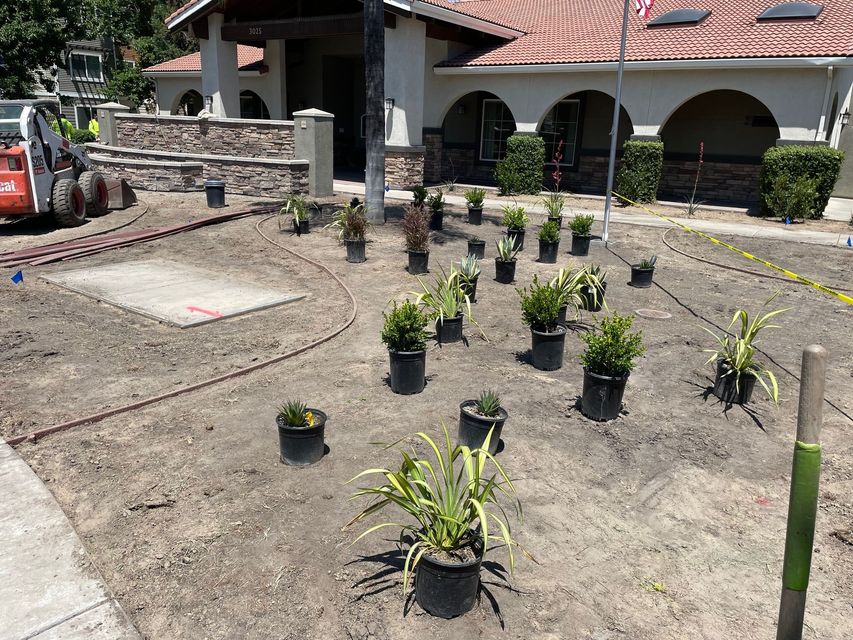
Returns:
(248,59)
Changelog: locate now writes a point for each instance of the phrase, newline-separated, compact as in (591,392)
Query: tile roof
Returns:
(247,58)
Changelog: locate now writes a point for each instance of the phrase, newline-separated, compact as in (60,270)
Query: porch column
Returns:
(219,78)
(274,58)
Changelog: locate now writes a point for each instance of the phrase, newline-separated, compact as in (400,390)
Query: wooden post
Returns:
(802,506)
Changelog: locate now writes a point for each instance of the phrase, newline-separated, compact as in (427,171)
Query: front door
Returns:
(344,96)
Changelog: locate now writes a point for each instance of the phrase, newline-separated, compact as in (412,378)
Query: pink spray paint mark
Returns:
(214,314)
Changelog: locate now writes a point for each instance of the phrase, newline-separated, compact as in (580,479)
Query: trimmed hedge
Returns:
(521,170)
(82,136)
(641,169)
(819,164)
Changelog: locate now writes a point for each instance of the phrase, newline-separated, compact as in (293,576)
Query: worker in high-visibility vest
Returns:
(65,126)
(95,128)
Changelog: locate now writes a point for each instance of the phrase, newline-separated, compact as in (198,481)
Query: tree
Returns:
(128,81)
(374,69)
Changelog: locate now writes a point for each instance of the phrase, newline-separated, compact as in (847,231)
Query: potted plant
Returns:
(469,274)
(447,304)
(416,234)
(568,283)
(297,208)
(435,202)
(480,419)
(643,273)
(549,242)
(540,306)
(477,247)
(737,368)
(581,225)
(505,260)
(457,507)
(474,198)
(607,363)
(594,288)
(403,332)
(301,432)
(419,196)
(515,220)
(351,225)
(554,203)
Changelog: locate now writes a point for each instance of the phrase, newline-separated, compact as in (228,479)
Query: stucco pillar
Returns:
(274,58)
(313,135)
(108,134)
(219,75)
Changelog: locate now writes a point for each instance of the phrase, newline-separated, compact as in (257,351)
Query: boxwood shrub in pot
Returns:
(301,433)
(505,261)
(474,198)
(737,370)
(446,303)
(469,273)
(416,234)
(607,362)
(554,203)
(456,502)
(351,224)
(404,334)
(435,202)
(643,273)
(549,242)
(477,248)
(480,419)
(581,226)
(540,308)
(515,220)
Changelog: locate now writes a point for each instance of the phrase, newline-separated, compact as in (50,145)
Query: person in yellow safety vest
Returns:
(94,128)
(66,126)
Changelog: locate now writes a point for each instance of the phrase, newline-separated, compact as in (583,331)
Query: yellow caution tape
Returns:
(748,256)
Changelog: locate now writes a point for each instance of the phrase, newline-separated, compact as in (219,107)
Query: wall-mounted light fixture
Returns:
(389,104)
(460,110)
(845,118)
(208,103)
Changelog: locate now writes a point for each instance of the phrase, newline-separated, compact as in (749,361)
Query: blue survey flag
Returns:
(18,278)
(849,242)
(787,220)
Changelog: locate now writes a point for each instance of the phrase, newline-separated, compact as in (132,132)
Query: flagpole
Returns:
(614,130)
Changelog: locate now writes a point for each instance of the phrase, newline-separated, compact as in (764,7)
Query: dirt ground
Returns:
(667,523)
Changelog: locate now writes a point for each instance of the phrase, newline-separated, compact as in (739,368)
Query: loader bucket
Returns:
(121,195)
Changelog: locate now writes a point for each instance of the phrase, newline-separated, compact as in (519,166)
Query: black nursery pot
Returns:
(589,301)
(602,396)
(449,329)
(447,589)
(641,278)
(558,220)
(301,446)
(355,250)
(725,387)
(477,248)
(408,371)
(504,271)
(303,226)
(547,348)
(436,221)
(548,251)
(580,245)
(470,288)
(561,315)
(474,428)
(418,262)
(475,215)
(517,237)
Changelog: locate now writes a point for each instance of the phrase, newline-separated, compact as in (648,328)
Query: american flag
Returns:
(644,8)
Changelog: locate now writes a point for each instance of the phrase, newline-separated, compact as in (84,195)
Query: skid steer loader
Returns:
(43,172)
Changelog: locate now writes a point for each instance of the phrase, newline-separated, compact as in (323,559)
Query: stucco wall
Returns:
(170,90)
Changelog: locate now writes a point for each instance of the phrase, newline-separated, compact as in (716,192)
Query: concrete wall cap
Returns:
(398,149)
(234,122)
(312,113)
(135,162)
(113,106)
(176,156)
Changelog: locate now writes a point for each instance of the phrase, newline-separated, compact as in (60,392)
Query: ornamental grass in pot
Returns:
(435,202)
(505,261)
(737,370)
(481,419)
(403,332)
(642,273)
(477,247)
(594,288)
(351,224)
(469,274)
(540,308)
(301,433)
(297,209)
(607,362)
(549,242)
(569,283)
(554,203)
(455,501)
(515,220)
(474,198)
(416,235)
(581,226)
(447,304)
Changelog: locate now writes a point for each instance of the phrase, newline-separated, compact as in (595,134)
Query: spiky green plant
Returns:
(469,268)
(294,413)
(475,197)
(554,203)
(435,201)
(568,283)
(648,263)
(446,298)
(488,404)
(350,223)
(506,249)
(594,279)
(419,195)
(453,502)
(296,207)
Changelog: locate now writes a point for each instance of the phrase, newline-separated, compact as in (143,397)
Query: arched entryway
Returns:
(190,103)
(253,107)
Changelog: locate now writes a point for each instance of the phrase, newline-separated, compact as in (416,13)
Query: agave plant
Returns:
(738,351)
(294,413)
(469,268)
(648,263)
(446,298)
(506,249)
(488,404)
(453,502)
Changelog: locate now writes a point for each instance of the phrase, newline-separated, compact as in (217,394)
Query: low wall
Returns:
(218,136)
(729,182)
(152,175)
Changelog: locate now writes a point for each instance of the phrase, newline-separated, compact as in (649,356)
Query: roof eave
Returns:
(187,16)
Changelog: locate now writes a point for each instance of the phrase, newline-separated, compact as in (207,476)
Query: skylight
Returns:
(680,16)
(792,11)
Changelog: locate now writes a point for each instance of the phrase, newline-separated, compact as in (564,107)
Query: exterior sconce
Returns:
(460,110)
(389,104)
(208,103)
(845,118)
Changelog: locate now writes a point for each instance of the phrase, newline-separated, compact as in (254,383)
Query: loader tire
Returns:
(69,203)
(95,192)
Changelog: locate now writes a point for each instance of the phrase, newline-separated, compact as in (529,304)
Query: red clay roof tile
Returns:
(246,57)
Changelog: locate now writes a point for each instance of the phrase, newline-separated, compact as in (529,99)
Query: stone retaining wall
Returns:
(404,166)
(718,182)
(152,175)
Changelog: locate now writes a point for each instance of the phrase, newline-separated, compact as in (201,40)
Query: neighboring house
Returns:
(462,76)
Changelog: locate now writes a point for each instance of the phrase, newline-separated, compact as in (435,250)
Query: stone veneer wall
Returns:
(433,142)
(719,181)
(404,167)
(152,175)
(218,136)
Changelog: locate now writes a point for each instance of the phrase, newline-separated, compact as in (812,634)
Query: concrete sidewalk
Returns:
(790,233)
(50,589)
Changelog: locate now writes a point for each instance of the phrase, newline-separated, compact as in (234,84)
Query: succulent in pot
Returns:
(594,288)
(505,261)
(416,235)
(474,198)
(737,370)
(298,209)
(642,273)
(456,499)
(540,309)
(609,358)
(554,203)
(419,196)
(477,247)
(469,274)
(480,419)
(549,242)
(581,226)
(403,332)
(447,303)
(515,220)
(435,202)
(351,224)
(301,433)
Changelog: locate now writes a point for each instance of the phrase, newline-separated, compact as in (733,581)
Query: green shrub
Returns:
(82,136)
(540,306)
(821,164)
(641,169)
(514,217)
(793,198)
(611,350)
(550,232)
(404,328)
(521,170)
(581,224)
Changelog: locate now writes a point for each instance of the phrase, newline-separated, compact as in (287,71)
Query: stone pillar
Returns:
(404,166)
(107,122)
(434,147)
(313,134)
(219,77)
(274,57)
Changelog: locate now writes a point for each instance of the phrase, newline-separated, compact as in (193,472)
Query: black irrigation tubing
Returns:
(97,417)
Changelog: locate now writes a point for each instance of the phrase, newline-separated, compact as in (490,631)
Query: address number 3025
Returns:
(256,31)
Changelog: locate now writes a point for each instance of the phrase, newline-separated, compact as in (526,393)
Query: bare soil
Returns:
(667,523)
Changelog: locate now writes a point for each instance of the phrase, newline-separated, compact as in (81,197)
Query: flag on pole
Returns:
(18,278)
(644,8)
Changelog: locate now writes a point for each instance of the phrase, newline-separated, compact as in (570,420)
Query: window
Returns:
(680,16)
(792,11)
(497,125)
(84,116)
(86,67)
(561,124)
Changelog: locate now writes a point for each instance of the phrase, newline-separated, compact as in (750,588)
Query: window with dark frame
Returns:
(561,123)
(85,66)
(497,125)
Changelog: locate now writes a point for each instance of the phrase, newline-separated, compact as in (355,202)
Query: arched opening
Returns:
(582,122)
(189,104)
(735,129)
(253,107)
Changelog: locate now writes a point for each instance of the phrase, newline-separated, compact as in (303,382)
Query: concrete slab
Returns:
(170,292)
(49,583)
